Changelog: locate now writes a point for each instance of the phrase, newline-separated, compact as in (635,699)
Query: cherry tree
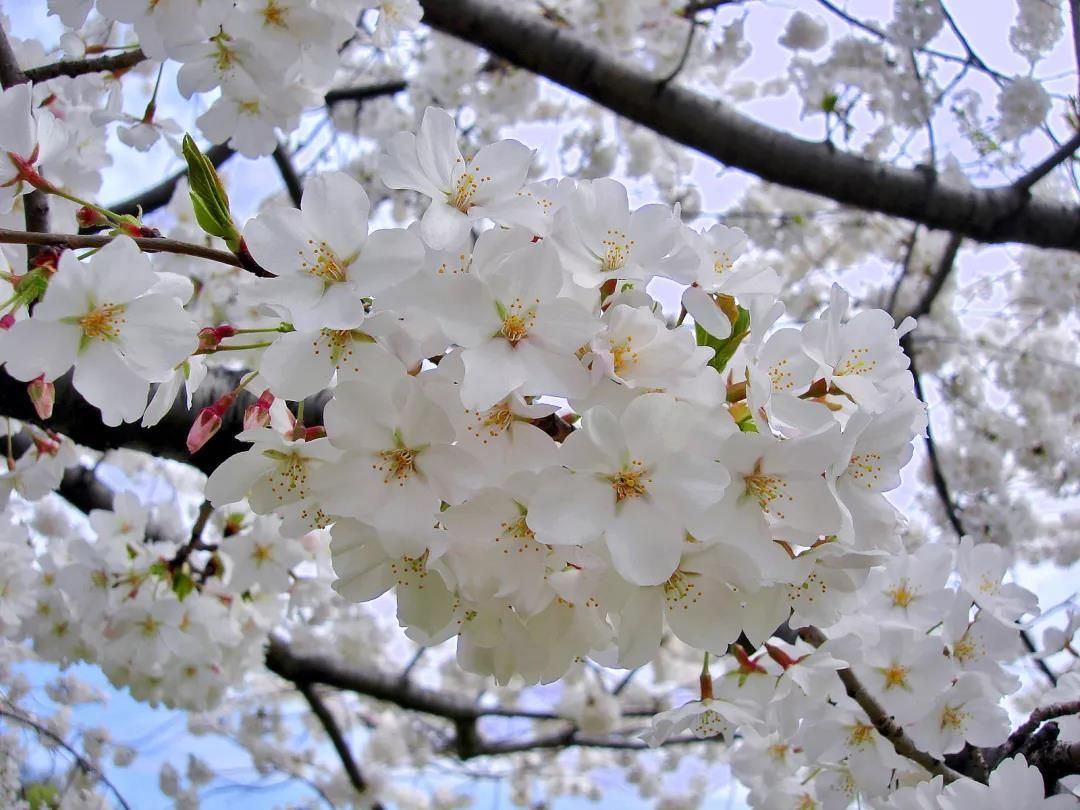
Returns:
(498,444)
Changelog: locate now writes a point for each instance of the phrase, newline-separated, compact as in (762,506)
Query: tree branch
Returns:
(333,731)
(79,67)
(364,92)
(293,184)
(713,128)
(1074,12)
(1060,155)
(159,196)
(84,764)
(1038,717)
(882,720)
(154,244)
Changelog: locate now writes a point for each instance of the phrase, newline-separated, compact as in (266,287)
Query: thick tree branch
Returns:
(79,67)
(1037,718)
(75,418)
(715,129)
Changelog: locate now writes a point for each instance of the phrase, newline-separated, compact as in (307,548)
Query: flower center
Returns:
(952,717)
(468,184)
(896,677)
(902,595)
(623,357)
(630,481)
(860,735)
(516,320)
(274,14)
(397,464)
(326,265)
(855,362)
(103,323)
(616,250)
(766,489)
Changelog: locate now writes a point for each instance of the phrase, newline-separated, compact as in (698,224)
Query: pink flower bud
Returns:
(7,321)
(43,395)
(258,415)
(208,422)
(211,336)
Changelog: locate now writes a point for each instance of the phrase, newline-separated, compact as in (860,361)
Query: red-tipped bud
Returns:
(7,321)
(258,415)
(211,336)
(129,226)
(88,217)
(43,395)
(208,422)
(779,656)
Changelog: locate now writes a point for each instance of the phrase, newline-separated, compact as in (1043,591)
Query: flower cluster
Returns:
(530,452)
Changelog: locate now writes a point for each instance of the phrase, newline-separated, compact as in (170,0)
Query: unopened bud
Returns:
(258,414)
(208,422)
(130,226)
(7,321)
(42,395)
(88,217)
(211,336)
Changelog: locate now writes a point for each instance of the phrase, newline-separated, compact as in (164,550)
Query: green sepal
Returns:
(182,585)
(208,196)
(725,349)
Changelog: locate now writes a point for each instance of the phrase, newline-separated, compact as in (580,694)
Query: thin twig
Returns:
(940,276)
(1044,668)
(883,36)
(936,473)
(148,244)
(905,268)
(671,76)
(86,765)
(293,184)
(1059,156)
(80,67)
(333,731)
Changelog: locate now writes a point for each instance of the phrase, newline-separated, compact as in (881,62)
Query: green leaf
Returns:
(182,585)
(208,196)
(159,569)
(725,349)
